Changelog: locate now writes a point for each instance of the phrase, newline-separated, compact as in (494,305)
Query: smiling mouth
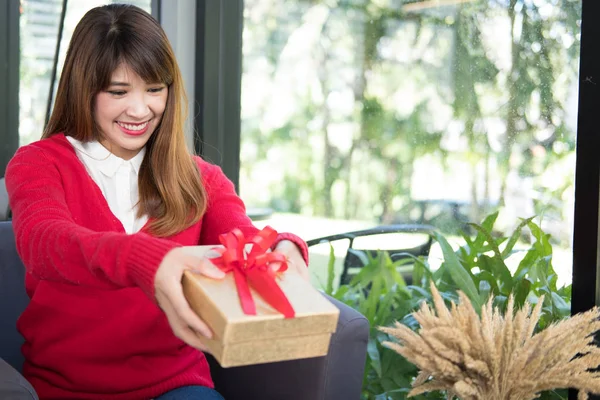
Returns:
(134,127)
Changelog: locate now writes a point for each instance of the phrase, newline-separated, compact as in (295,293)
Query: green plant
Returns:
(478,268)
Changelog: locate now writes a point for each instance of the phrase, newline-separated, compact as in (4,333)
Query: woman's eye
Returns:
(117,92)
(156,90)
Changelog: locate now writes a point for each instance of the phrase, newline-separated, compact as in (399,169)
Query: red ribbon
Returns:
(254,268)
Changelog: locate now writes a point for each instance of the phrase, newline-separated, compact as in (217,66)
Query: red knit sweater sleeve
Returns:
(227,211)
(54,247)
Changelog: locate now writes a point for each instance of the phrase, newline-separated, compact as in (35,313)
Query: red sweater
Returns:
(92,328)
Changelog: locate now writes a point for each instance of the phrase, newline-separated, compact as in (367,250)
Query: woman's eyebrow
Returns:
(119,84)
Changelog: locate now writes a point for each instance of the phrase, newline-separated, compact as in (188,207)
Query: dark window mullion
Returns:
(9,81)
(218,77)
(587,176)
(155,6)
(586,279)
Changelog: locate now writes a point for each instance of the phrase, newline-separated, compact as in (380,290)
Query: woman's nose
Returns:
(138,107)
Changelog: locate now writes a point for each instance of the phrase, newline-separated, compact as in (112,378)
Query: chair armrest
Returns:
(338,375)
(12,384)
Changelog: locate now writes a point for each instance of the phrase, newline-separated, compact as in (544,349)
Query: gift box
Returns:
(242,338)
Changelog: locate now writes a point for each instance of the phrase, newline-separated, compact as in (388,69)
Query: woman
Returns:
(101,207)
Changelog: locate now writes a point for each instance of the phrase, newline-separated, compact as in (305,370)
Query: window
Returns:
(40,20)
(357,113)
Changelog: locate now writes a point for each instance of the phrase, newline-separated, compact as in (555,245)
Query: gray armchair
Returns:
(4,208)
(338,376)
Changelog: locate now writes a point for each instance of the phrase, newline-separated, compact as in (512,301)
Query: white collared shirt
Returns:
(116,178)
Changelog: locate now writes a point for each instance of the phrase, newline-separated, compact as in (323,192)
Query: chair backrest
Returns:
(353,259)
(13,298)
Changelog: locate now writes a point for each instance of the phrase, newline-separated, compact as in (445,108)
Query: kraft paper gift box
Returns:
(241,339)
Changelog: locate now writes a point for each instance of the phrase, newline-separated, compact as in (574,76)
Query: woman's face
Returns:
(128,112)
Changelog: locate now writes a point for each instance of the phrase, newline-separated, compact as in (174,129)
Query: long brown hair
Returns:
(171,191)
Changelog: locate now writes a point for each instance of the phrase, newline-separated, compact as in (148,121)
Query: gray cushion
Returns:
(13,298)
(4,208)
(13,386)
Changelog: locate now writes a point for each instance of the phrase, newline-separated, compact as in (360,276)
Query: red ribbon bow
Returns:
(254,268)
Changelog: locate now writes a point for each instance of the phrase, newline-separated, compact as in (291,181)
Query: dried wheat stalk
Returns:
(498,357)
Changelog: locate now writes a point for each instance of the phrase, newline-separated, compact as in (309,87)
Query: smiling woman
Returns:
(114,63)
(128,112)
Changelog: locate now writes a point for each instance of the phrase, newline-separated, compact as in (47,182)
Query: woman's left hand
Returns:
(295,260)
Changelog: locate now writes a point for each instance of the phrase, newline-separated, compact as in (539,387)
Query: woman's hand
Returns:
(169,294)
(294,257)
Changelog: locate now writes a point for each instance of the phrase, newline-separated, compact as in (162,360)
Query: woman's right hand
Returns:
(186,325)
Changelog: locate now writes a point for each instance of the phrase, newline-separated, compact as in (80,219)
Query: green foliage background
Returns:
(344,100)
(478,268)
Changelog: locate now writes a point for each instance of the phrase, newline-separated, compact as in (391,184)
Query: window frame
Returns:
(586,258)
(217,124)
(9,81)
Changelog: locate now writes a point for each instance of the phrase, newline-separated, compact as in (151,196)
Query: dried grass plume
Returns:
(498,357)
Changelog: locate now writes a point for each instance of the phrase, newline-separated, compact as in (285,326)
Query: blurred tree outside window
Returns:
(39,24)
(357,113)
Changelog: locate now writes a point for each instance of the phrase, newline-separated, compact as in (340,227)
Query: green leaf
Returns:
(366,273)
(330,271)
(489,221)
(539,273)
(485,276)
(521,292)
(438,275)
(485,263)
(419,272)
(514,238)
(528,262)
(542,243)
(341,292)
(484,289)
(420,292)
(503,274)
(500,302)
(496,264)
(488,225)
(373,300)
(466,251)
(485,233)
(364,258)
(563,308)
(459,275)
(374,358)
(385,310)
(420,268)
(382,396)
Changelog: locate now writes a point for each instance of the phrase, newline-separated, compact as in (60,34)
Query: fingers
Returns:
(187,316)
(184,322)
(302,269)
(295,260)
(180,329)
(201,265)
(207,268)
(191,338)
(274,266)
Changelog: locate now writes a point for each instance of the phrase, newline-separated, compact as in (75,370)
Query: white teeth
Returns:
(133,127)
